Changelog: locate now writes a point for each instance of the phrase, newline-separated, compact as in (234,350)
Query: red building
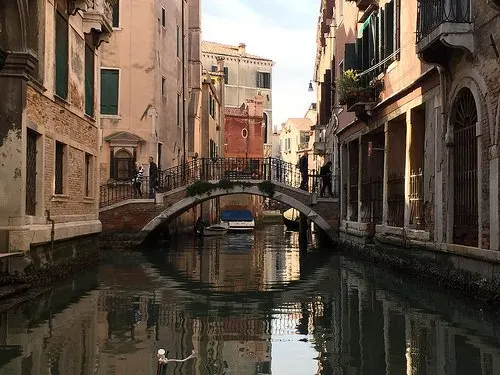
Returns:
(243,129)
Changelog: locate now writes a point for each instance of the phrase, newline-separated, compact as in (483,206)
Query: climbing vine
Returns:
(205,187)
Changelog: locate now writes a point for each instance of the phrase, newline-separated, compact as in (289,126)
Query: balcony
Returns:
(319,148)
(364,4)
(443,27)
(97,18)
(303,146)
(359,92)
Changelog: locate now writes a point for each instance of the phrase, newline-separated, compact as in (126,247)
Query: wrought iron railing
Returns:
(417,198)
(213,169)
(432,13)
(119,191)
(396,200)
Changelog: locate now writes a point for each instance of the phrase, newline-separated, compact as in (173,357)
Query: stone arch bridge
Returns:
(185,186)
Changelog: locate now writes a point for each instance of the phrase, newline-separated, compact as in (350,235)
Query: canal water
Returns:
(247,304)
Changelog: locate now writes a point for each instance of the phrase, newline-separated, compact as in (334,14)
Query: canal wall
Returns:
(45,264)
(467,276)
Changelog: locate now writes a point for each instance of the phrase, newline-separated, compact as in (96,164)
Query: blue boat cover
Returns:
(236,215)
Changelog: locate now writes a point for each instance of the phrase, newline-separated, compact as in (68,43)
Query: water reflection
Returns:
(251,304)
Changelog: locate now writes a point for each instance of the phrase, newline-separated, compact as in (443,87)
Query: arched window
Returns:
(465,203)
(123,163)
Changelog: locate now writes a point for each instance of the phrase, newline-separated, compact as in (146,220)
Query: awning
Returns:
(363,27)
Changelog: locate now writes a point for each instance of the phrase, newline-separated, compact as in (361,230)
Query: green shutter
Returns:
(109,91)
(389,28)
(62,66)
(116,14)
(89,80)
(350,59)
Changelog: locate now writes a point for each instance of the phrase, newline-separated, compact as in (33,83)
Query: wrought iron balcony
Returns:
(443,25)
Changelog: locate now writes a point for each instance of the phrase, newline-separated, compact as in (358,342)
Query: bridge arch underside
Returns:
(189,202)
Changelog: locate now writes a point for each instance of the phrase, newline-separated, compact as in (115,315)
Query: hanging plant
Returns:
(267,187)
(347,84)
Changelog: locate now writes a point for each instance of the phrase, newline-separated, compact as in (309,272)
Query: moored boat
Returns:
(215,230)
(238,220)
(291,219)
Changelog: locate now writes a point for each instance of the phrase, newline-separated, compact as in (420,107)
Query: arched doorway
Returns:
(465,169)
(123,165)
(265,126)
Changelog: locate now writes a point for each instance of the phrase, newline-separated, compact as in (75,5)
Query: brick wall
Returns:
(56,122)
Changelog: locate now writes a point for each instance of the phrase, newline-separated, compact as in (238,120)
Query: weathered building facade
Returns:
(150,86)
(49,119)
(415,121)
(246,76)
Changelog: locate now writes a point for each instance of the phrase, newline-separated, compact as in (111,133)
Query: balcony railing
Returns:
(432,13)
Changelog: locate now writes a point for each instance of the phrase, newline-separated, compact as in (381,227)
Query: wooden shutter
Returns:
(226,75)
(109,91)
(350,58)
(89,80)
(62,66)
(389,28)
(116,14)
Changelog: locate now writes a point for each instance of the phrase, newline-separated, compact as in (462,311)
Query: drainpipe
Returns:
(52,230)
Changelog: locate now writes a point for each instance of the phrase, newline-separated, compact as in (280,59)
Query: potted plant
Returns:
(347,85)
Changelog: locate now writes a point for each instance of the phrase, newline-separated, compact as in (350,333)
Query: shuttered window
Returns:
(350,61)
(226,75)
(61,56)
(89,79)
(389,37)
(109,91)
(116,14)
(59,168)
(263,80)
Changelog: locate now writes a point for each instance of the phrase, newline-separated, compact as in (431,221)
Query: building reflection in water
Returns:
(231,300)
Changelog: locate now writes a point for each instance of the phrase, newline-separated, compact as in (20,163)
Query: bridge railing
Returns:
(121,190)
(214,169)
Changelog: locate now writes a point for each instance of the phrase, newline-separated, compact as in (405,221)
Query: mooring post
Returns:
(303,229)
(161,364)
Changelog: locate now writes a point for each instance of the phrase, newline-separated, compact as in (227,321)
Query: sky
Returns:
(281,30)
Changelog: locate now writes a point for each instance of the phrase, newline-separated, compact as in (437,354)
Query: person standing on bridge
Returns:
(326,179)
(153,177)
(304,169)
(137,180)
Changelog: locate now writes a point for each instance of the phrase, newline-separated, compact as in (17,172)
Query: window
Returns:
(116,14)
(89,79)
(88,175)
(163,86)
(226,75)
(163,17)
(265,121)
(214,68)
(109,91)
(59,168)
(213,149)
(212,106)
(61,56)
(31,171)
(378,40)
(264,80)
(304,137)
(121,165)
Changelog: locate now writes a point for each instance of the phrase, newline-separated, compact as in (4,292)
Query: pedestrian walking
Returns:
(303,168)
(326,179)
(153,178)
(137,180)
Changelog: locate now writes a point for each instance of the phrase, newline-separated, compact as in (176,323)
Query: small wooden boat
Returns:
(291,219)
(215,230)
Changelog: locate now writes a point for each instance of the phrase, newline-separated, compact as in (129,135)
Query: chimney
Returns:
(242,49)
